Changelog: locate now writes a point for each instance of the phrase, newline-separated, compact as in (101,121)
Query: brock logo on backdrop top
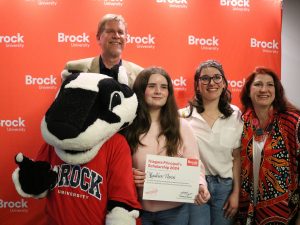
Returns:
(117,3)
(174,3)
(237,5)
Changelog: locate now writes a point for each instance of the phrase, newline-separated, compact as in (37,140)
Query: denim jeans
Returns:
(175,216)
(212,212)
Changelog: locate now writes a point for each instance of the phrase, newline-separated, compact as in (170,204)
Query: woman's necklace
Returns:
(213,117)
(260,132)
(210,119)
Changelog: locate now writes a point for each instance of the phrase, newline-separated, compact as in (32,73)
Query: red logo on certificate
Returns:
(192,162)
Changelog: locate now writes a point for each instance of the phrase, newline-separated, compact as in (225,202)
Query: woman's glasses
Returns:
(205,79)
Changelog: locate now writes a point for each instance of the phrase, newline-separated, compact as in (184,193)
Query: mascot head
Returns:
(87,111)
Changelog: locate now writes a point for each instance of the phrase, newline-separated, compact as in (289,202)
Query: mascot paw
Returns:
(120,216)
(19,157)
(33,179)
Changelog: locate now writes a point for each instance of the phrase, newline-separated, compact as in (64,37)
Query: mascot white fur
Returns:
(85,169)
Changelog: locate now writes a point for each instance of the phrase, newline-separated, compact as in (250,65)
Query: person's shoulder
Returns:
(296,113)
(236,110)
(182,121)
(131,65)
(80,65)
(293,115)
(117,137)
(186,129)
(236,116)
(184,112)
(184,124)
(79,62)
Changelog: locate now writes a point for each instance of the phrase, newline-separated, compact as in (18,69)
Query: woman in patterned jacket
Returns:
(270,153)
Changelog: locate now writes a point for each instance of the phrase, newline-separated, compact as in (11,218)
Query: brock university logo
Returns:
(179,83)
(211,43)
(118,3)
(236,5)
(147,41)
(14,206)
(236,85)
(81,40)
(266,46)
(12,41)
(174,3)
(49,82)
(75,176)
(13,125)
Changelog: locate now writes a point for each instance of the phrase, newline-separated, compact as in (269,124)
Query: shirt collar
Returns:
(103,68)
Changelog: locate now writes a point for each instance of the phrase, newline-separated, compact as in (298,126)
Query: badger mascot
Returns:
(84,169)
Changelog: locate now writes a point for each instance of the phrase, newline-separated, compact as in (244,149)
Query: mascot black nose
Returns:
(71,113)
(63,130)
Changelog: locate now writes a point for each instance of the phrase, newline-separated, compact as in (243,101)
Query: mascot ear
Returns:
(122,76)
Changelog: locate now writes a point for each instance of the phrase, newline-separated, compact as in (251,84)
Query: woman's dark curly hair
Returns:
(225,98)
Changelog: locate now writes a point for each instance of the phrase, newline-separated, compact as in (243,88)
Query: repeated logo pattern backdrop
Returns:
(37,37)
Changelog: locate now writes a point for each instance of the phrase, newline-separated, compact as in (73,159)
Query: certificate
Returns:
(171,179)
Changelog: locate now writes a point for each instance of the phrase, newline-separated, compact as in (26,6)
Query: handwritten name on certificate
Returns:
(171,179)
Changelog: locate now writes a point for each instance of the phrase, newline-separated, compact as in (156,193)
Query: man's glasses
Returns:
(205,79)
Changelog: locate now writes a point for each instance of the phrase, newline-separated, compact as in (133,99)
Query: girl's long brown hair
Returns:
(169,119)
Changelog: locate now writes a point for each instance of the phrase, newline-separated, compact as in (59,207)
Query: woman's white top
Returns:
(216,143)
(257,150)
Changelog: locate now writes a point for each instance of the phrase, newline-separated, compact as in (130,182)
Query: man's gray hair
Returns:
(109,17)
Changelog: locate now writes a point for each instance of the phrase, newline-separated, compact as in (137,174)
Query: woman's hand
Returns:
(231,205)
(138,177)
(203,195)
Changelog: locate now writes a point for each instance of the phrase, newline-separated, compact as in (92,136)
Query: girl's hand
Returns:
(203,195)
(138,177)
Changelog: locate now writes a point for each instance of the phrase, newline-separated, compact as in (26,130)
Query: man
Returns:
(111,37)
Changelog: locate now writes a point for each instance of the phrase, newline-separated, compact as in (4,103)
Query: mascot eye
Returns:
(115,99)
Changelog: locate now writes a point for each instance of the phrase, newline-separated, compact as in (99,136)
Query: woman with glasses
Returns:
(270,153)
(217,125)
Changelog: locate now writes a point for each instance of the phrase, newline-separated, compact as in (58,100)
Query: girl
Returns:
(158,130)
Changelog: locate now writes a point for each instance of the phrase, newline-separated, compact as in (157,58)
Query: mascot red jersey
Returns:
(85,169)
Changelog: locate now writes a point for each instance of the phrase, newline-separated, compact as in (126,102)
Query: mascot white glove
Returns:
(120,216)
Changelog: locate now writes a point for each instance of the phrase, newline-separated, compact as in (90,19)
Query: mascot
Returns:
(84,169)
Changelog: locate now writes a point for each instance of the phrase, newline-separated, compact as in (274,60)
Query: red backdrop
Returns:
(37,37)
